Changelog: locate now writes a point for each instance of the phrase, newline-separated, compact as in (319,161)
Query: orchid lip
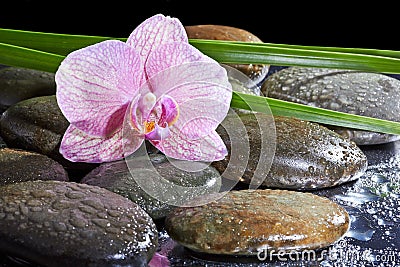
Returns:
(158,133)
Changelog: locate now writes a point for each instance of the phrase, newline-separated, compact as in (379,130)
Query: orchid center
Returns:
(162,114)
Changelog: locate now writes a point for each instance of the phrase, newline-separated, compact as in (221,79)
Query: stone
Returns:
(37,124)
(256,72)
(307,155)
(54,223)
(247,222)
(117,177)
(362,93)
(2,143)
(18,165)
(17,84)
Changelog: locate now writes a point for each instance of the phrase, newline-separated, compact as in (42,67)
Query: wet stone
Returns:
(362,93)
(37,124)
(17,165)
(245,222)
(228,33)
(307,155)
(17,84)
(119,178)
(46,223)
(2,143)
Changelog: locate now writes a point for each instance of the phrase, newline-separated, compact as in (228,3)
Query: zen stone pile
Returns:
(56,213)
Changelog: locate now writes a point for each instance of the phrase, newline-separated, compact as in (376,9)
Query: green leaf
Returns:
(12,55)
(45,51)
(384,61)
(305,112)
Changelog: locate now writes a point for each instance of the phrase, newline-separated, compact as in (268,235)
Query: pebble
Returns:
(17,84)
(17,165)
(307,155)
(2,143)
(362,93)
(256,72)
(247,222)
(54,223)
(37,124)
(117,177)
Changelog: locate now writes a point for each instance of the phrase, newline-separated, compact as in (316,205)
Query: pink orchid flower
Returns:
(155,86)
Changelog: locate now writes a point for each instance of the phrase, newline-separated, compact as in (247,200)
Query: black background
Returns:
(323,23)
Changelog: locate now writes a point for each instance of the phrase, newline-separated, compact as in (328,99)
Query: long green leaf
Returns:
(12,55)
(384,61)
(304,112)
(230,52)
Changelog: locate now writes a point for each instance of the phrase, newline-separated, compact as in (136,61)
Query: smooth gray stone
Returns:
(362,93)
(307,155)
(117,177)
(17,84)
(37,124)
(54,223)
(18,165)
(2,143)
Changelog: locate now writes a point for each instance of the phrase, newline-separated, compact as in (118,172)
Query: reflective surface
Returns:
(373,202)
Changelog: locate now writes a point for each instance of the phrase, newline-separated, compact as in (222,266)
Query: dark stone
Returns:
(362,93)
(2,143)
(307,155)
(17,84)
(117,177)
(38,125)
(19,166)
(53,223)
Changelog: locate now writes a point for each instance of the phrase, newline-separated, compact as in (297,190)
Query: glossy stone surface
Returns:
(256,72)
(37,124)
(55,223)
(119,178)
(244,222)
(307,155)
(19,165)
(17,84)
(362,93)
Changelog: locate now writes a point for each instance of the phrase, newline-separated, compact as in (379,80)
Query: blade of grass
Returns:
(250,53)
(384,61)
(25,57)
(320,115)
(12,55)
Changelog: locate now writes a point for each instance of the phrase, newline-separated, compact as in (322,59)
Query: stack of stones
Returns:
(56,211)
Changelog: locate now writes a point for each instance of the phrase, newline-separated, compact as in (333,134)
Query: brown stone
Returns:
(307,155)
(228,33)
(17,165)
(245,222)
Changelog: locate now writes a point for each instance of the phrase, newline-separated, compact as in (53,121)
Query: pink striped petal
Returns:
(202,92)
(78,146)
(209,148)
(173,54)
(95,85)
(155,31)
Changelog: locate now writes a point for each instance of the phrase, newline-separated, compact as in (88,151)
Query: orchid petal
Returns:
(173,54)
(77,146)
(155,31)
(95,85)
(169,110)
(178,146)
(201,90)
